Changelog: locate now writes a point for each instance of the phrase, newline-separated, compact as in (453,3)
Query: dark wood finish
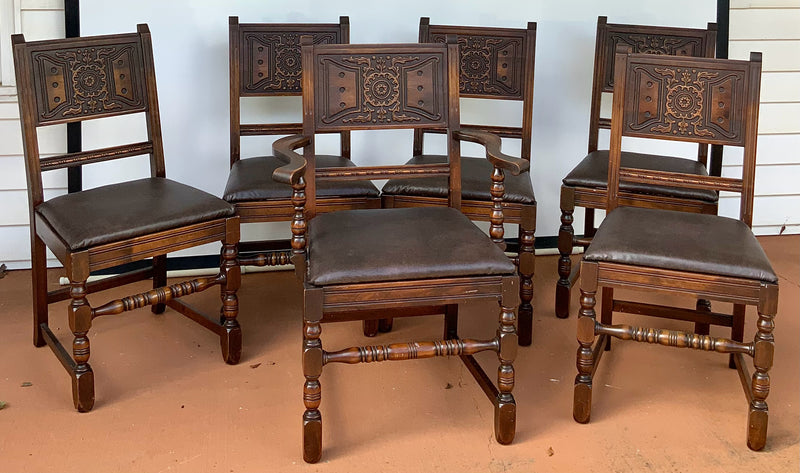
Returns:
(364,78)
(494,63)
(657,40)
(265,62)
(685,110)
(94,77)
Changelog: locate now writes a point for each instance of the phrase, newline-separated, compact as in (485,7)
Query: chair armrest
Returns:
(293,170)
(492,144)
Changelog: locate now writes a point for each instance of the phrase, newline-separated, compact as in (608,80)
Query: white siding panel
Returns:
(9,111)
(737,4)
(779,118)
(749,24)
(52,139)
(26,263)
(15,205)
(766,230)
(772,150)
(18,246)
(42,4)
(776,55)
(42,24)
(12,175)
(767,211)
(772,180)
(780,86)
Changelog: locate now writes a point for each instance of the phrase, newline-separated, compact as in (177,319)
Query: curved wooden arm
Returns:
(293,170)
(492,144)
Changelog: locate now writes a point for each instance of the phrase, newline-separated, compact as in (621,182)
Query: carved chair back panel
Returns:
(700,100)
(384,87)
(269,56)
(686,100)
(651,40)
(87,78)
(492,61)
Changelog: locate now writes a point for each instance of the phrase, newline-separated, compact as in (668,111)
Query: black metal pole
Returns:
(723,34)
(72,24)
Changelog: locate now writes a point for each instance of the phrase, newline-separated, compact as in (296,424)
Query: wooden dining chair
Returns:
(586,186)
(494,64)
(265,62)
(372,263)
(711,101)
(77,79)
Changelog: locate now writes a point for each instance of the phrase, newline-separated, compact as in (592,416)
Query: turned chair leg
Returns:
(39,284)
(505,408)
(582,401)
(80,321)
(526,271)
(159,280)
(312,392)
(566,235)
(231,339)
(762,360)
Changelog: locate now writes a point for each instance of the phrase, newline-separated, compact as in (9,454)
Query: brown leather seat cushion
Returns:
(251,180)
(476,182)
(593,172)
(682,241)
(129,209)
(354,246)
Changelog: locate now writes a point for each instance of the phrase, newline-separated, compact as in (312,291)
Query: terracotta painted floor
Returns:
(167,403)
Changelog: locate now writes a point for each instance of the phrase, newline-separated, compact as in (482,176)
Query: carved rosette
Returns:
(272,62)
(387,89)
(88,81)
(381,89)
(684,102)
(381,79)
(476,54)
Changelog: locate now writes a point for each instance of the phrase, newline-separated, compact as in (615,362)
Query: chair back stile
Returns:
(685,99)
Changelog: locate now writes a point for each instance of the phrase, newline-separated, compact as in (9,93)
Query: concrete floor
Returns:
(167,403)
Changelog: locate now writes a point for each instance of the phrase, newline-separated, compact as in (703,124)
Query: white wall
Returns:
(190,47)
(190,42)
